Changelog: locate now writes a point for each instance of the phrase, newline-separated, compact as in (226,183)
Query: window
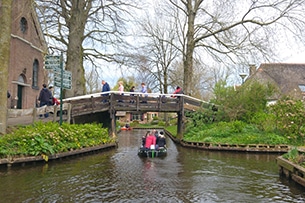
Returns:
(35,74)
(154,115)
(136,117)
(23,25)
(21,79)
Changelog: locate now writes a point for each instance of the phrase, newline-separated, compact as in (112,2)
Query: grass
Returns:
(228,133)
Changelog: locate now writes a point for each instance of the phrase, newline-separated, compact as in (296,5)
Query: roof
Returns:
(288,77)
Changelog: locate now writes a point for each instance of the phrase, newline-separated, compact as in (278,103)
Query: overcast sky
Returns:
(289,53)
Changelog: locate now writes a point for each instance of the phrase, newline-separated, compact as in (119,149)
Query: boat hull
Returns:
(124,128)
(152,152)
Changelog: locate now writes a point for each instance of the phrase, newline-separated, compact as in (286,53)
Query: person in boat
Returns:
(161,143)
(127,125)
(144,139)
(153,132)
(156,134)
(150,141)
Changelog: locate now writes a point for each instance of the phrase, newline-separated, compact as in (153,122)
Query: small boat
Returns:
(125,128)
(161,152)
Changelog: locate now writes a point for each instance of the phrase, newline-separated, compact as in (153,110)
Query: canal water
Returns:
(119,175)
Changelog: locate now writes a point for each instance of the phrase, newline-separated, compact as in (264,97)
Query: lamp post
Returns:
(243,76)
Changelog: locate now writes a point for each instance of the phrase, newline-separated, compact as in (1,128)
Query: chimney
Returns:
(252,69)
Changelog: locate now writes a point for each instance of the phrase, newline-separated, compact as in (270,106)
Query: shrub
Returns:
(155,118)
(289,119)
(154,122)
(173,121)
(241,103)
(50,138)
(161,123)
(134,123)
(264,121)
(292,155)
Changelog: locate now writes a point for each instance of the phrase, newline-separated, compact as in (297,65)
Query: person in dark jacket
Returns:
(105,88)
(161,143)
(44,98)
(132,95)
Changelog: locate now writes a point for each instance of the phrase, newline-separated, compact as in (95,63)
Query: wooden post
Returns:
(159,102)
(112,117)
(92,105)
(69,113)
(113,124)
(34,114)
(138,102)
(54,113)
(180,124)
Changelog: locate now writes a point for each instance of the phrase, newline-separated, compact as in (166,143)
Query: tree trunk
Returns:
(190,46)
(76,24)
(5,39)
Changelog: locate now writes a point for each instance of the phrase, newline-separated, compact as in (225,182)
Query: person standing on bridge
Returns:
(44,98)
(54,100)
(132,95)
(144,92)
(121,89)
(178,91)
(105,88)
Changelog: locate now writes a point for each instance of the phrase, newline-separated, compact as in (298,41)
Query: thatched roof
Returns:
(287,77)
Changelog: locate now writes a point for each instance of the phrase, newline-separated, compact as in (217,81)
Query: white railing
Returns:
(156,95)
(14,113)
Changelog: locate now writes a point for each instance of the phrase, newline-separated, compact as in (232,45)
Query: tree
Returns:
(5,39)
(85,30)
(232,30)
(127,83)
(155,53)
(93,84)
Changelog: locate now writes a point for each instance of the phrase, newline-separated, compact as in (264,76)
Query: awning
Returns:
(120,113)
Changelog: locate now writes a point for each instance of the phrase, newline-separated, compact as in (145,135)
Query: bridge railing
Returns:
(132,101)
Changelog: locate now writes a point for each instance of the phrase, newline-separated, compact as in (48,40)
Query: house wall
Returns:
(147,117)
(25,48)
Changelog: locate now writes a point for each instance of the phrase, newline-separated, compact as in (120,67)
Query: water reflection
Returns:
(184,175)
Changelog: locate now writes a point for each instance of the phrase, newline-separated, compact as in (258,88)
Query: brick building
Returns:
(28,46)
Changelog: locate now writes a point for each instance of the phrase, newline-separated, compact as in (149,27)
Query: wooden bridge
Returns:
(112,102)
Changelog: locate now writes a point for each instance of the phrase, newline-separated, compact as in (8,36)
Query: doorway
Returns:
(19,96)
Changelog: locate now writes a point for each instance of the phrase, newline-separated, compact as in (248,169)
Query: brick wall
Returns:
(26,47)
